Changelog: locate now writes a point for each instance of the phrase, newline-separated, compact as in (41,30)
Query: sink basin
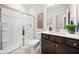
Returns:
(58,32)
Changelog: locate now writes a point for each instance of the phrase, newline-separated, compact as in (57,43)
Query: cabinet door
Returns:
(48,47)
(72,42)
(60,48)
(56,38)
(63,49)
(70,50)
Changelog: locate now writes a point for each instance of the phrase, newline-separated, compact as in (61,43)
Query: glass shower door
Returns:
(28,27)
(11,30)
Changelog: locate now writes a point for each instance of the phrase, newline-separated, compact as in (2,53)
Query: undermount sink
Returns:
(58,32)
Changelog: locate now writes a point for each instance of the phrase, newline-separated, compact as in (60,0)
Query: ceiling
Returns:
(28,6)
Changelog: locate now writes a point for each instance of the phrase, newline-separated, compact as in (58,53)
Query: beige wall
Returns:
(38,9)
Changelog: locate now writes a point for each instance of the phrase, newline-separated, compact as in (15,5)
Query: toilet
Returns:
(35,44)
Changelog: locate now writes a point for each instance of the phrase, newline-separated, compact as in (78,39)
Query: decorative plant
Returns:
(71,27)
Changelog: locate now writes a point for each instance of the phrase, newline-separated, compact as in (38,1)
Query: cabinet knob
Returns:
(56,45)
(74,44)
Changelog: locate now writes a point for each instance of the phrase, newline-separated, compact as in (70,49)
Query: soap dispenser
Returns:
(50,29)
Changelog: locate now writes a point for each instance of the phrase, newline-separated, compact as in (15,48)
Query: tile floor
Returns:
(25,50)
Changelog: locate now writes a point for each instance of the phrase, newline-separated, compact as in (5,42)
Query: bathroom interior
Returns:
(39,29)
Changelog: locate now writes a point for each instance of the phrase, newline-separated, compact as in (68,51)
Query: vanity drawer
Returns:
(56,38)
(72,42)
(45,36)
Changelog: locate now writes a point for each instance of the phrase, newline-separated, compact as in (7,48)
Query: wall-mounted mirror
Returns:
(61,21)
(62,14)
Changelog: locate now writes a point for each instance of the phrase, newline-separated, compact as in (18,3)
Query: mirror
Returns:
(61,21)
(61,14)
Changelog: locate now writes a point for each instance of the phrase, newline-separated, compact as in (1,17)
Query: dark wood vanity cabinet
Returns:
(48,47)
(59,48)
(70,50)
(51,44)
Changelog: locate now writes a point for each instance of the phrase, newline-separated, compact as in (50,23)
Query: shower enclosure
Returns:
(28,28)
(11,28)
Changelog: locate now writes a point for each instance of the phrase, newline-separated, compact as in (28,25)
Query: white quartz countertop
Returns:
(63,34)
